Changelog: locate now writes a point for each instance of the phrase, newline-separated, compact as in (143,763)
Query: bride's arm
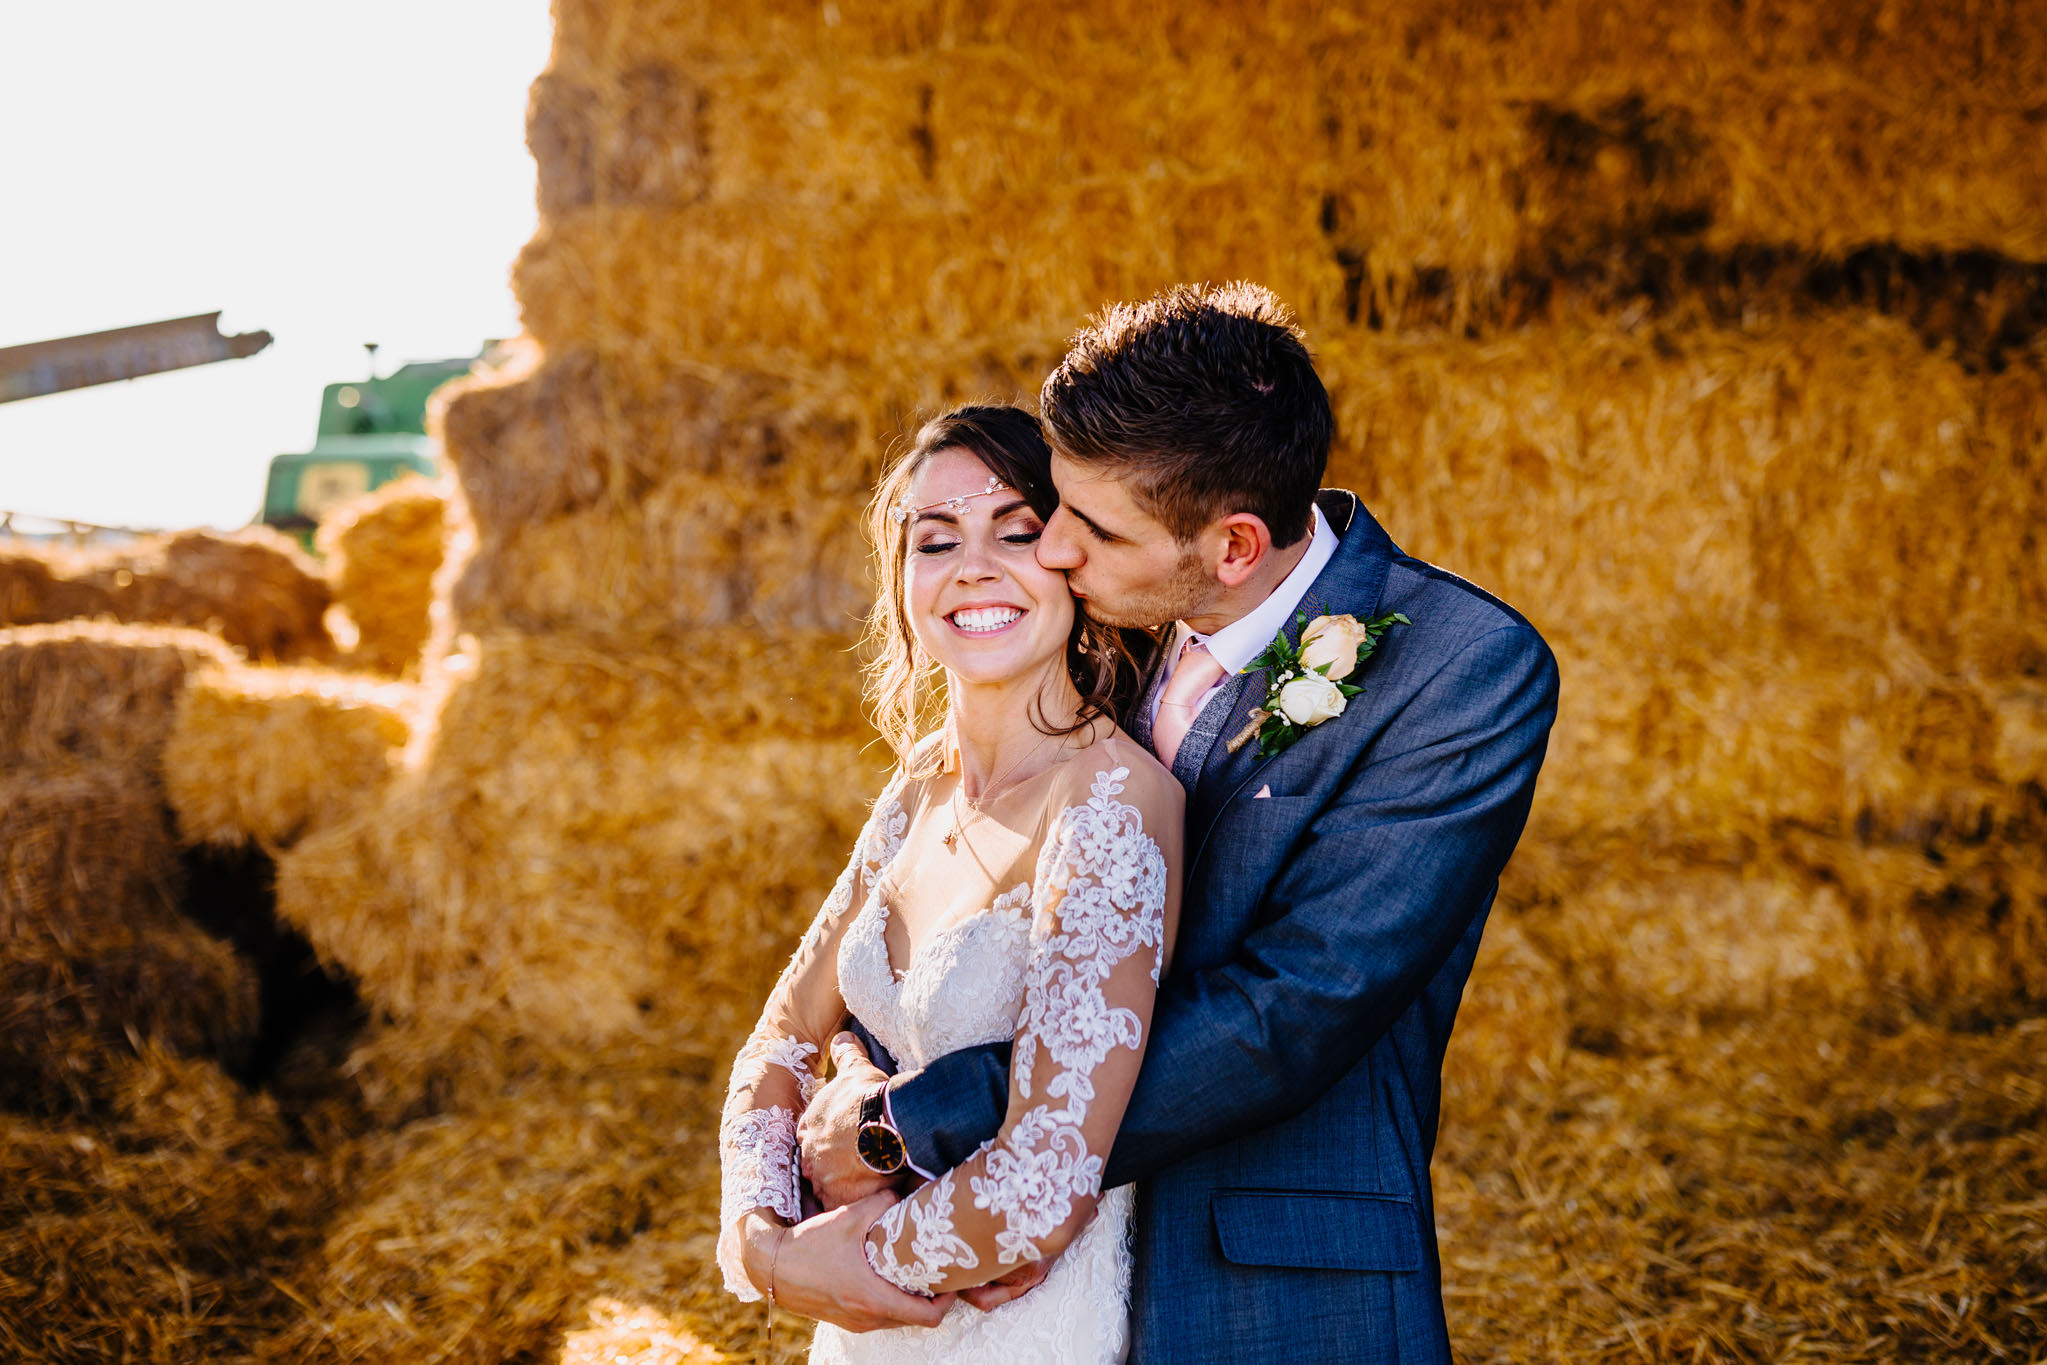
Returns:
(779,1068)
(1102,898)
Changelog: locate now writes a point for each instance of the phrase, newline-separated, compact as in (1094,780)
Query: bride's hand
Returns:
(830,1129)
(1014,1285)
(818,1269)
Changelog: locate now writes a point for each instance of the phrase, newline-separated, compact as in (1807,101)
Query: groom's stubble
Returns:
(1185,590)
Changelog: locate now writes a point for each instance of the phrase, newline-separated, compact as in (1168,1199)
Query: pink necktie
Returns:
(1196,672)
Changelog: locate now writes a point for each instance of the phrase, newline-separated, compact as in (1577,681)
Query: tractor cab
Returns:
(371,432)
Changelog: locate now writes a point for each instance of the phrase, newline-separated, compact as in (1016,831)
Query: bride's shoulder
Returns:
(1115,765)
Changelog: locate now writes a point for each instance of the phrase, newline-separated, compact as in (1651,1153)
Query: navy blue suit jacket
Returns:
(1283,1123)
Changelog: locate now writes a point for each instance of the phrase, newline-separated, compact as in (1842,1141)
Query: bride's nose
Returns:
(977,560)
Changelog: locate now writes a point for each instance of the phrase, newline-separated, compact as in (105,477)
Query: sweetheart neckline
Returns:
(917,954)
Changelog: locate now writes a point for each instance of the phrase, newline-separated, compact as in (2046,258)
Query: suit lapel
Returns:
(1203,736)
(1353,581)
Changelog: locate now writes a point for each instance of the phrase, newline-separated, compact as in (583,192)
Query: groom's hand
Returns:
(830,1129)
(1014,1285)
(820,1271)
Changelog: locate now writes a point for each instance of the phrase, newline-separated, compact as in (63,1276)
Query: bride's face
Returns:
(978,600)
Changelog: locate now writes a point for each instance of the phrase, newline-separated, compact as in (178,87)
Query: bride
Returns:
(1018,879)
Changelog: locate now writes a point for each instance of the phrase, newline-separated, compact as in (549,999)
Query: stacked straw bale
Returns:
(1814,703)
(149,1199)
(1708,336)
(94,948)
(383,550)
(253,588)
(158,1231)
(268,755)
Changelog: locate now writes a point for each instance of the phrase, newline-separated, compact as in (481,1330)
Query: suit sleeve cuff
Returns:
(916,1161)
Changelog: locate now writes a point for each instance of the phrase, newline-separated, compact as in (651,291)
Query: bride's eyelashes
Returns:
(944,545)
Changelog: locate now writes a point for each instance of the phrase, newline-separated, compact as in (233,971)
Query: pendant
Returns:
(952,839)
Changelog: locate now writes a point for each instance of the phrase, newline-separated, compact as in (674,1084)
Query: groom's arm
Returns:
(1391,876)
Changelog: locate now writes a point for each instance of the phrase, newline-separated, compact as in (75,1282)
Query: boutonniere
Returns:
(1305,682)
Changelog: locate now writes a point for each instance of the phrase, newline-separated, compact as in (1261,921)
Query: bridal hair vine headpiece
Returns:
(902,511)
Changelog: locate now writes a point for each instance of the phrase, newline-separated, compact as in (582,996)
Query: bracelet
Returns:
(773,1261)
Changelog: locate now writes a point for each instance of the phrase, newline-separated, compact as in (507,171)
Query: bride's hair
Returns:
(905,687)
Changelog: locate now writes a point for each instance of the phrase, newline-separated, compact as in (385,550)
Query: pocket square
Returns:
(1264,793)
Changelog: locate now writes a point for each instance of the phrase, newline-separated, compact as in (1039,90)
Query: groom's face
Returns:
(1125,567)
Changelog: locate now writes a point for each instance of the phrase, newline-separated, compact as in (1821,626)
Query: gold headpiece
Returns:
(902,511)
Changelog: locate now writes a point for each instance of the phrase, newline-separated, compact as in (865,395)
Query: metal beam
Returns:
(125,353)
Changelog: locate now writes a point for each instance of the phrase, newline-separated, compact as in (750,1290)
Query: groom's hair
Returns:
(1207,395)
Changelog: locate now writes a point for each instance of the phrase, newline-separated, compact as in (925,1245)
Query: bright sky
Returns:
(331,172)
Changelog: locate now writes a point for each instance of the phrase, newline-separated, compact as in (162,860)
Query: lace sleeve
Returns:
(779,1068)
(1100,898)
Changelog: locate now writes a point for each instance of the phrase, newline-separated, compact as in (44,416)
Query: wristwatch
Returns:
(880,1146)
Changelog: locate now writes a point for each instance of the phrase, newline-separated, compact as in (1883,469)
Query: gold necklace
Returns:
(959,794)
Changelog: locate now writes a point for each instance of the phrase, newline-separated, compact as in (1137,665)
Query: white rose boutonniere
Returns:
(1304,682)
(1310,700)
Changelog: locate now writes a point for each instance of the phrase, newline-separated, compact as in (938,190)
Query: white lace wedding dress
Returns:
(1045,921)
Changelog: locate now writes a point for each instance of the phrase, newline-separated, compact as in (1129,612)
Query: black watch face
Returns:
(881,1148)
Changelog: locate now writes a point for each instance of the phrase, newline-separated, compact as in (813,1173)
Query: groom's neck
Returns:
(1235,601)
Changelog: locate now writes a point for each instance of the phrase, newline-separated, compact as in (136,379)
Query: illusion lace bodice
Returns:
(1044,922)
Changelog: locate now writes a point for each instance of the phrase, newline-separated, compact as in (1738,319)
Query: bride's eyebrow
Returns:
(1019,505)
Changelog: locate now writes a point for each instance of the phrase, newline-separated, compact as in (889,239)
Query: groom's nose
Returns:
(1058,546)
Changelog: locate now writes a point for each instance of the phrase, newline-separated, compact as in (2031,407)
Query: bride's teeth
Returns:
(981,619)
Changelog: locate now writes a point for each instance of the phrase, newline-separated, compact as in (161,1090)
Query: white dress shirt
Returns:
(1244,639)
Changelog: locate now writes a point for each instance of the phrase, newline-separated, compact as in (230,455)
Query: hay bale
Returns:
(818,283)
(584,849)
(383,551)
(95,952)
(254,588)
(83,851)
(480,1235)
(533,440)
(1511,1027)
(85,691)
(163,1231)
(1730,538)
(1678,945)
(71,1009)
(268,755)
(1784,1180)
(773,551)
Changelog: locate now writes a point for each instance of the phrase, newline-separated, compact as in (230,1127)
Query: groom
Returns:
(1283,1123)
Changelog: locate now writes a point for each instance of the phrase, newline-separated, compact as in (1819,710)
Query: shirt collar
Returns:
(1244,639)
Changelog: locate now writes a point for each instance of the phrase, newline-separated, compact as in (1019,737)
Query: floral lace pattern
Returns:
(793,1055)
(934,1246)
(1076,1317)
(1101,888)
(779,1069)
(757,1156)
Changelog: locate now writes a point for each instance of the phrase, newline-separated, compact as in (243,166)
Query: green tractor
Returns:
(371,432)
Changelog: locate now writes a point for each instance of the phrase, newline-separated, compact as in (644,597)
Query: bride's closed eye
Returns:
(937,547)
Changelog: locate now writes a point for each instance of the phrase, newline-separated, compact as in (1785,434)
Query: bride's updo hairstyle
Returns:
(905,687)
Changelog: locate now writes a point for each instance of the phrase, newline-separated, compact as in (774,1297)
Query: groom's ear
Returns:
(1242,542)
